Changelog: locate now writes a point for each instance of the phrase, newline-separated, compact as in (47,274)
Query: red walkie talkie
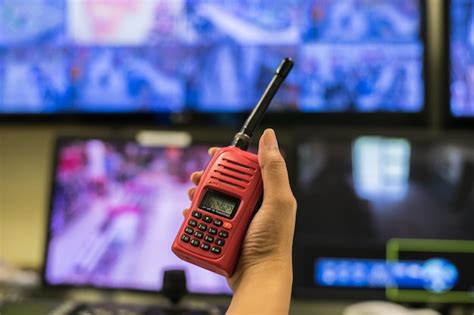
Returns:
(227,196)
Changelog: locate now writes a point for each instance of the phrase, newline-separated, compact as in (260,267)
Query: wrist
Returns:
(263,288)
(264,270)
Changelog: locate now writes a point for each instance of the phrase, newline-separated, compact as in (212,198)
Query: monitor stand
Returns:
(174,289)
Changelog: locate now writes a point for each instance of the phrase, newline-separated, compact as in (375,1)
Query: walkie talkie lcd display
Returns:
(227,196)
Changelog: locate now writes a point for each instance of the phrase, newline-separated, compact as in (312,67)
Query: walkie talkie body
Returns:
(227,197)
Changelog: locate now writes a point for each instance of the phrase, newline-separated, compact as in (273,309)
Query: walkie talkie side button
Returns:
(212,231)
(223,234)
(195,242)
(192,223)
(188,230)
(217,222)
(209,239)
(216,250)
(198,234)
(202,227)
(207,219)
(197,214)
(185,238)
(205,246)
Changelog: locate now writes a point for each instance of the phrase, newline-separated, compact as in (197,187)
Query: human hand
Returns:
(267,247)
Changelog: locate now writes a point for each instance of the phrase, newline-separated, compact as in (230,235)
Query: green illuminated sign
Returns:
(395,246)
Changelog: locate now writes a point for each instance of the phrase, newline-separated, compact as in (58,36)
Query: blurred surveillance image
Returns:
(116,207)
(160,56)
(462,58)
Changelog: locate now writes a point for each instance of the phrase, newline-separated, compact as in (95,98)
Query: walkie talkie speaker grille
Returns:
(230,171)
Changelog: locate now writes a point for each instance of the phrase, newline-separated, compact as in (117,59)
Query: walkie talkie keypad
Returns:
(206,233)
(216,250)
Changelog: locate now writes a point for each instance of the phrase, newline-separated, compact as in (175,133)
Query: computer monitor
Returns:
(116,207)
(460,52)
(356,194)
(208,56)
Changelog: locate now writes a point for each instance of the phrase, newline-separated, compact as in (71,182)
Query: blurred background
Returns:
(107,106)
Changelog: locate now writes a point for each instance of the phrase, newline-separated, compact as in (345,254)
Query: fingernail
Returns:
(270,140)
(211,149)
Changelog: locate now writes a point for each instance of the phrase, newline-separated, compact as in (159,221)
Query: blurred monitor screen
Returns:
(153,56)
(116,207)
(356,194)
(462,57)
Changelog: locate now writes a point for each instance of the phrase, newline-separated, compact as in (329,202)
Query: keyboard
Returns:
(32,307)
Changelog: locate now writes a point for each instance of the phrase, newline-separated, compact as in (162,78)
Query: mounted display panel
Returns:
(359,194)
(158,57)
(115,208)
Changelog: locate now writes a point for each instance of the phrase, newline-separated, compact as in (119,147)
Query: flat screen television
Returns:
(358,194)
(154,57)
(460,55)
(115,209)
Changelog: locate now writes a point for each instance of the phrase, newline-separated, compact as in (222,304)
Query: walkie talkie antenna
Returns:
(243,138)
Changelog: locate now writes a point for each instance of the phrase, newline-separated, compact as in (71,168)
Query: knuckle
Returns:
(276,163)
(285,201)
(291,203)
(294,203)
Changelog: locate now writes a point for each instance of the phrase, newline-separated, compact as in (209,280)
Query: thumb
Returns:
(276,185)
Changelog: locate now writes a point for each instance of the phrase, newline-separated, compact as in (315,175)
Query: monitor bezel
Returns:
(450,121)
(59,142)
(290,118)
